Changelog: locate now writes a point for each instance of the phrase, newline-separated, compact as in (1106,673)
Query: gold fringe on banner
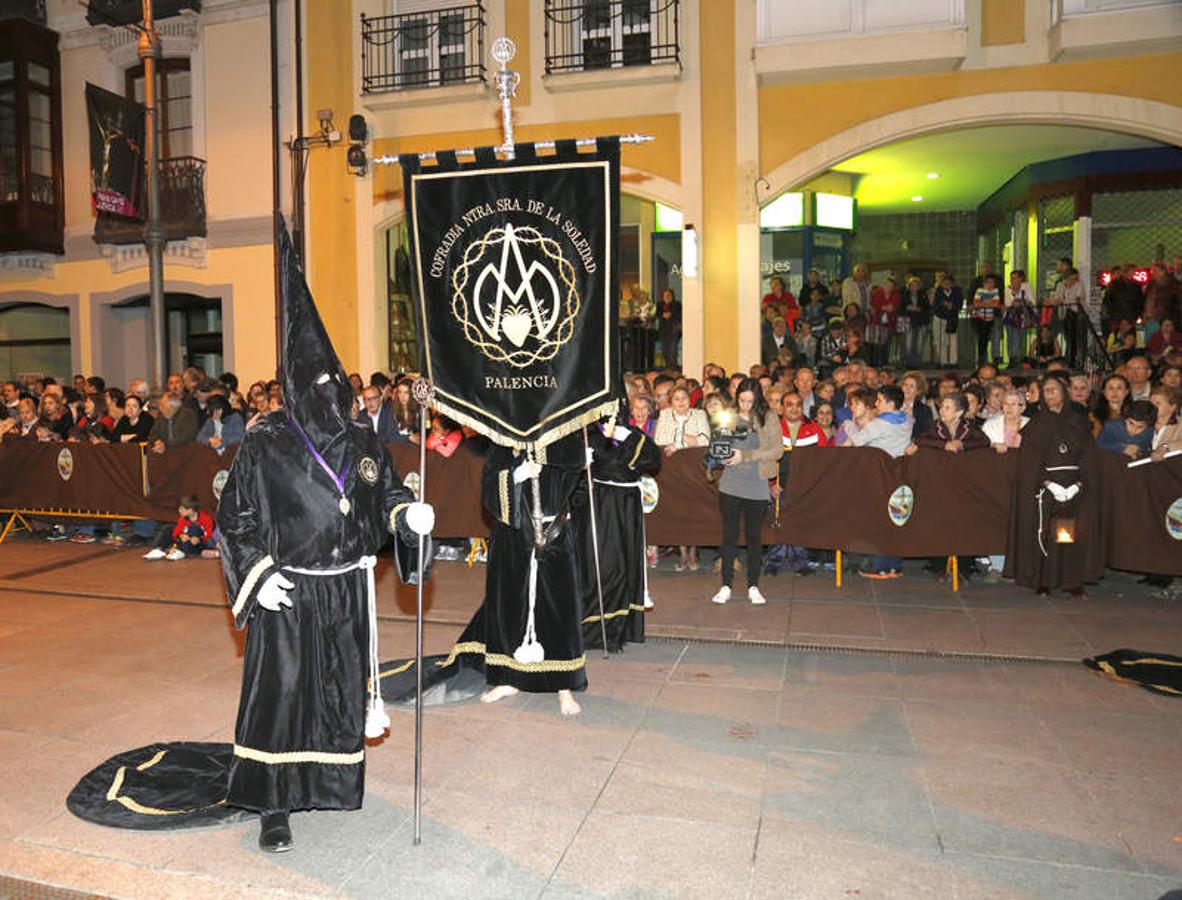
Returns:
(547,437)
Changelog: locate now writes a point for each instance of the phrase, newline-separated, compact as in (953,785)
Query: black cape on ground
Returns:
(1157,672)
(160,787)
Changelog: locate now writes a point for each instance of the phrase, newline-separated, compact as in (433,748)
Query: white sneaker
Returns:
(755,596)
(724,594)
(155,553)
(174,554)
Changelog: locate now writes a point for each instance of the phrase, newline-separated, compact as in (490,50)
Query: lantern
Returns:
(1063,528)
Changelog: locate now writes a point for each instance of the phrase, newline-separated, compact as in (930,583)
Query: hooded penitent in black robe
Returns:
(616,469)
(1056,447)
(299,738)
(549,656)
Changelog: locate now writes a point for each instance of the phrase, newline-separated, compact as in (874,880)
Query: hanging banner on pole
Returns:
(515,287)
(116,152)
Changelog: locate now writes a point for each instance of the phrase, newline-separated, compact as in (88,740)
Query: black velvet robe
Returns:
(1051,442)
(499,626)
(620,525)
(299,738)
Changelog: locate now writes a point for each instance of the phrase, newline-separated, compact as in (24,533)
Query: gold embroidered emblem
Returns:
(368,470)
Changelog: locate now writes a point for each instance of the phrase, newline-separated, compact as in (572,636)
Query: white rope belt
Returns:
(623,484)
(376,719)
(531,649)
(1060,468)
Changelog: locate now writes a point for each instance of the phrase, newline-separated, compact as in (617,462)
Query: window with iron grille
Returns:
(31,203)
(427,48)
(584,35)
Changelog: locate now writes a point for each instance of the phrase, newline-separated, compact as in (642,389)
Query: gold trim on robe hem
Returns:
(299,756)
(395,671)
(114,796)
(610,615)
(249,582)
(500,659)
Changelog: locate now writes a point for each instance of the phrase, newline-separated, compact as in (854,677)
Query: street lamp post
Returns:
(149,53)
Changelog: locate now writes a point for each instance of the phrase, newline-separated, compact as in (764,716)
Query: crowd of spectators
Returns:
(908,324)
(865,384)
(860,378)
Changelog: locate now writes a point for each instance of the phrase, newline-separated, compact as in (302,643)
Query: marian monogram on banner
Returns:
(515,287)
(511,302)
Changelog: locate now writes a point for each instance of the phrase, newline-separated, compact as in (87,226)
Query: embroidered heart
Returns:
(516,325)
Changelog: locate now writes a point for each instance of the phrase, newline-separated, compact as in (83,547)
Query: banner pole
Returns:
(421,391)
(595,543)
(580,143)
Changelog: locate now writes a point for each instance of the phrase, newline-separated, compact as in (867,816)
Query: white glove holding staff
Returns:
(420,518)
(526,471)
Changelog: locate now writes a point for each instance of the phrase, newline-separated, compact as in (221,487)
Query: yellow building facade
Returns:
(758,97)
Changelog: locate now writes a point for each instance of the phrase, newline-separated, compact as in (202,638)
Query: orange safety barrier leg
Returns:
(837,568)
(954,565)
(8,527)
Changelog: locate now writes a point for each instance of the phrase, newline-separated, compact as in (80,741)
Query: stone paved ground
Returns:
(699,769)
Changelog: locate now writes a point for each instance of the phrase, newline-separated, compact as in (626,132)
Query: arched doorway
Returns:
(1145,118)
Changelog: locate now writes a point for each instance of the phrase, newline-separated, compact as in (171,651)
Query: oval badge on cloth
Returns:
(1174,520)
(650,493)
(219,482)
(411,482)
(65,464)
(900,505)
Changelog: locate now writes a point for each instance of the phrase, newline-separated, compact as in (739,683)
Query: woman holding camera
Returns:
(743,491)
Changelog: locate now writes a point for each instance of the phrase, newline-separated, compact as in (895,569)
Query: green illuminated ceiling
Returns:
(972,163)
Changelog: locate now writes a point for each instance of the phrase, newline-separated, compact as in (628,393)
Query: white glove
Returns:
(621,433)
(420,518)
(1060,493)
(590,456)
(273,593)
(525,471)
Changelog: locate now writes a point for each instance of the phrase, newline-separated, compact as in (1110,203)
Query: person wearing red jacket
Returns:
(192,534)
(885,303)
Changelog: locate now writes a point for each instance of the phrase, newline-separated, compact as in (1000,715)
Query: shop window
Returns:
(31,203)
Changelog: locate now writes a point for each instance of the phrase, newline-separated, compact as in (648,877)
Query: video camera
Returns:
(725,430)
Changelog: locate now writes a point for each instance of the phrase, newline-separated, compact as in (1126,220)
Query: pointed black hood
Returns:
(321,407)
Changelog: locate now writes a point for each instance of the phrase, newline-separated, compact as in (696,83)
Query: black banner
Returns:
(116,152)
(515,287)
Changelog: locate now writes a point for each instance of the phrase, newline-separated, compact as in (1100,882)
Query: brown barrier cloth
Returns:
(453,487)
(184,470)
(836,497)
(1136,501)
(101,478)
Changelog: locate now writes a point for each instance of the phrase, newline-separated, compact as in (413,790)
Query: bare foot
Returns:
(567,705)
(500,692)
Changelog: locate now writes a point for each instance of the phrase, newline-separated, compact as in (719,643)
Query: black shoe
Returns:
(275,833)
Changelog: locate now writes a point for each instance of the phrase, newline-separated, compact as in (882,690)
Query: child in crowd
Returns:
(192,534)
(1132,435)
